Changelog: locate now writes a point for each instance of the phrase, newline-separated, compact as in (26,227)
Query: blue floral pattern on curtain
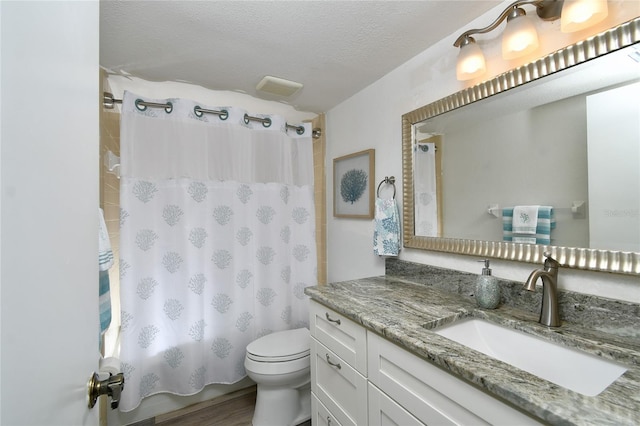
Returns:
(217,243)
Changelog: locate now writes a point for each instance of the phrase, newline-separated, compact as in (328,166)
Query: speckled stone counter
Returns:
(406,304)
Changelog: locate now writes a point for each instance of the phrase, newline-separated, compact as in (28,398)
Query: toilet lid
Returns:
(280,346)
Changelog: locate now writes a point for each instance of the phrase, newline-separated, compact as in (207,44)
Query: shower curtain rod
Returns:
(109,101)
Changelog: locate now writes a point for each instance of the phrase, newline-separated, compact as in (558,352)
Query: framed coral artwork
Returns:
(353,186)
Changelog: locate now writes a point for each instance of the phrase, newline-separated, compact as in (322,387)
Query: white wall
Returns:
(49,145)
(372,119)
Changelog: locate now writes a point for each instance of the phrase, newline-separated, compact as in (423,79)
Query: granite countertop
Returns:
(404,312)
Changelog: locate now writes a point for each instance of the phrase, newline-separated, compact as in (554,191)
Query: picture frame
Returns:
(353,185)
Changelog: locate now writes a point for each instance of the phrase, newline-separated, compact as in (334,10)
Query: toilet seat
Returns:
(285,358)
(281,346)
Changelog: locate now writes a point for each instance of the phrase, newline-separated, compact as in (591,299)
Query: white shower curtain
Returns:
(426,205)
(217,242)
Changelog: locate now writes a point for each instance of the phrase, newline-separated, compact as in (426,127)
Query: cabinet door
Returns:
(320,416)
(344,337)
(384,411)
(431,394)
(338,386)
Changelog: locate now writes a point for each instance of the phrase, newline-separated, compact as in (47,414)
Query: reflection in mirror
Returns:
(428,185)
(570,141)
(613,156)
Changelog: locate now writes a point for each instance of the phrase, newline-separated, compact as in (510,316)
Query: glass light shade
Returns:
(580,14)
(470,63)
(519,38)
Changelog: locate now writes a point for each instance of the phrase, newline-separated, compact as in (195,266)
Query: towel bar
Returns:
(577,209)
(391,180)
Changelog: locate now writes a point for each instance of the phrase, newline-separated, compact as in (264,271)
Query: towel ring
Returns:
(391,180)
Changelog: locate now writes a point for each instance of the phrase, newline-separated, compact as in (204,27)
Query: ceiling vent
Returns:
(278,86)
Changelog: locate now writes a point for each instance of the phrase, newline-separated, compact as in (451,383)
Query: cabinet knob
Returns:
(328,421)
(337,321)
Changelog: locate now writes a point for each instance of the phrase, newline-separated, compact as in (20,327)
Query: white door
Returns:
(48,211)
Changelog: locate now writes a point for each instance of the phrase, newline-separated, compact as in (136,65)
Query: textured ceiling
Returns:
(334,48)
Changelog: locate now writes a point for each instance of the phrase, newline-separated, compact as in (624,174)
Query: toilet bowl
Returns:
(280,365)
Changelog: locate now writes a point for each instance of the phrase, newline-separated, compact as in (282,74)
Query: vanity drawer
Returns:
(431,394)
(341,335)
(320,416)
(341,389)
(385,411)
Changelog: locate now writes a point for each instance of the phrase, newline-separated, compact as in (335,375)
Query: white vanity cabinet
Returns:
(338,368)
(360,378)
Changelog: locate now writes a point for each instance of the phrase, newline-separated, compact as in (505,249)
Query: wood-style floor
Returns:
(235,409)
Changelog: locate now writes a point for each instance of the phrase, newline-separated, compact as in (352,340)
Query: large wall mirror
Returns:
(562,132)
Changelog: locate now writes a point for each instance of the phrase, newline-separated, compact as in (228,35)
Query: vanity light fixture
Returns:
(577,15)
(520,36)
(471,62)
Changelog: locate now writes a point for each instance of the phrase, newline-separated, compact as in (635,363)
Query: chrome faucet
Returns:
(549,314)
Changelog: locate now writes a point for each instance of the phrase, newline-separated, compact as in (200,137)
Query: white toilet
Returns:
(280,364)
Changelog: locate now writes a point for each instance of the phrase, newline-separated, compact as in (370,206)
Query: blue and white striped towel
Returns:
(544,224)
(105,261)
(104,301)
(105,254)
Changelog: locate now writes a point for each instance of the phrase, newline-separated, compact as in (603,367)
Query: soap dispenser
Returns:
(487,288)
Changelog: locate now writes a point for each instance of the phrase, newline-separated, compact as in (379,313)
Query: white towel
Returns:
(525,219)
(105,255)
(386,234)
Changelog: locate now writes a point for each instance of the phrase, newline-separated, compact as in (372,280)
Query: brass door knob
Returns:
(112,387)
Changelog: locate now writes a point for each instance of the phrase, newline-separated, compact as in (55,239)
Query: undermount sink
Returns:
(570,368)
